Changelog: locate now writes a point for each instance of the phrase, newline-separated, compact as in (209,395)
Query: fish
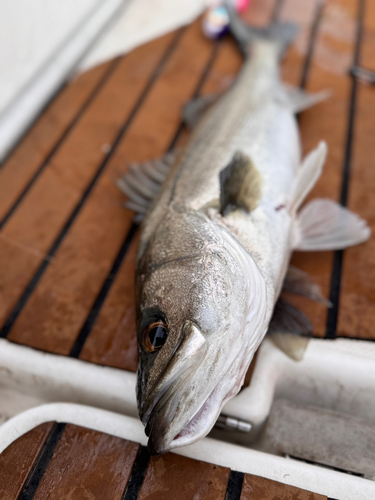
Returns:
(219,222)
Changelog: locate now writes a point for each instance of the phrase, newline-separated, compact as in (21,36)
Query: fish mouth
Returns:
(163,438)
(199,425)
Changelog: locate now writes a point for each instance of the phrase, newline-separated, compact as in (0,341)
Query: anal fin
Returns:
(298,282)
(291,345)
(289,330)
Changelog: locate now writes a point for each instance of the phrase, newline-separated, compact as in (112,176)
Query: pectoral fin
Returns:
(325,225)
(240,185)
(289,329)
(307,176)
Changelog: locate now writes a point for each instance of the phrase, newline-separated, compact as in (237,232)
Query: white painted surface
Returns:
(143,21)
(42,42)
(312,478)
(30,33)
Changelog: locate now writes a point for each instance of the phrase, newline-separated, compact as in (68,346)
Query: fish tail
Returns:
(281,34)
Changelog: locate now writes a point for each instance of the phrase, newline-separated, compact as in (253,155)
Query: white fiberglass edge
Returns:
(21,113)
(143,21)
(29,378)
(312,478)
(337,375)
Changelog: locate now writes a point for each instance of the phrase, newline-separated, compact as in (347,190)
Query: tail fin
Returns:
(282,34)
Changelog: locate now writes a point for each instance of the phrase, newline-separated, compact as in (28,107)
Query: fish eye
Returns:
(155,336)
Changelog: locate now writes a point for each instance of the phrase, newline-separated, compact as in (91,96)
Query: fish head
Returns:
(199,322)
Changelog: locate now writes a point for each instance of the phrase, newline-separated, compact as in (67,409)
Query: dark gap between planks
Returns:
(43,266)
(334,296)
(60,140)
(312,43)
(276,11)
(234,487)
(137,475)
(44,458)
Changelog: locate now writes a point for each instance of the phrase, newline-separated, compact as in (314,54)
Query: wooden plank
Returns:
(173,477)
(24,162)
(31,231)
(260,488)
(302,14)
(17,461)
(52,318)
(91,464)
(113,339)
(260,12)
(327,121)
(357,298)
(88,464)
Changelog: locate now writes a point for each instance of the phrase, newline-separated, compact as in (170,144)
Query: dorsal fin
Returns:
(240,185)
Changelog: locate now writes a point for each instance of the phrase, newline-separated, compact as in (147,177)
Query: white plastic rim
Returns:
(311,478)
(337,375)
(30,378)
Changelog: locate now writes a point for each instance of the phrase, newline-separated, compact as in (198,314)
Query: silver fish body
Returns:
(206,284)
(219,276)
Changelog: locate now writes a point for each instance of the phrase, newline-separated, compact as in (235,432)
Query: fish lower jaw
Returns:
(199,425)
(187,434)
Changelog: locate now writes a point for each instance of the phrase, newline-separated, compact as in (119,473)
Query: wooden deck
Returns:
(58,461)
(67,245)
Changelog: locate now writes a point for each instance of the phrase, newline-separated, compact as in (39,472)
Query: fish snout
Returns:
(171,391)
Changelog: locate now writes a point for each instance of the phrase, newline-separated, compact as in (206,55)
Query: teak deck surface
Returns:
(67,245)
(56,461)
